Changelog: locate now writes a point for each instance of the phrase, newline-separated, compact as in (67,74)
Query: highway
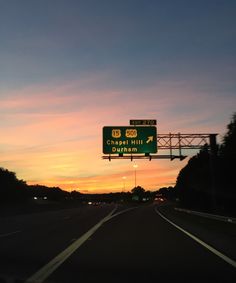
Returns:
(115,243)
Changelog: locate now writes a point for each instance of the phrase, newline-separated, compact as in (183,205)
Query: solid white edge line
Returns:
(50,267)
(213,250)
(9,234)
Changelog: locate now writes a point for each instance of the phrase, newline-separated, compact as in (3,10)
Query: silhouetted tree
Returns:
(52,193)
(11,189)
(228,147)
(227,161)
(139,192)
(193,184)
(168,192)
(76,195)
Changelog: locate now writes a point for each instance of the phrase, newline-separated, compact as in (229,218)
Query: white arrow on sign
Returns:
(150,139)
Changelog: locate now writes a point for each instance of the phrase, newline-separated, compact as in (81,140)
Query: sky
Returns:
(70,67)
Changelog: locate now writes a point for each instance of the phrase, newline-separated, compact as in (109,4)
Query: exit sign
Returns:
(143,122)
(129,140)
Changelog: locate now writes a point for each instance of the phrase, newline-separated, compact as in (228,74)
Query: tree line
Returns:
(198,186)
(13,190)
(193,187)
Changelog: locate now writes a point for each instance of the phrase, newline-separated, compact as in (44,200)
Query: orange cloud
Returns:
(52,135)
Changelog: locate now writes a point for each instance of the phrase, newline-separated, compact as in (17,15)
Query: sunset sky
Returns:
(70,67)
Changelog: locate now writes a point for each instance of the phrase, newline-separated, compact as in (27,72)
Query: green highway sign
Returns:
(129,140)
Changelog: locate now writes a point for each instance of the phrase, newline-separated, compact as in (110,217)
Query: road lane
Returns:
(42,274)
(199,241)
(9,234)
(220,235)
(139,246)
(50,267)
(42,237)
(136,246)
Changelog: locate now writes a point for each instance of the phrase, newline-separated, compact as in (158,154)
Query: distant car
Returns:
(95,203)
(159,199)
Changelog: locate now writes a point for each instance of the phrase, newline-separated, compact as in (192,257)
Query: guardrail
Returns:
(208,215)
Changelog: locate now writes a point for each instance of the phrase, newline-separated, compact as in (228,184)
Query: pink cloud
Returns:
(51,131)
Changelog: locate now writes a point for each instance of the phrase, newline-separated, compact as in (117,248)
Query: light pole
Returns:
(135,166)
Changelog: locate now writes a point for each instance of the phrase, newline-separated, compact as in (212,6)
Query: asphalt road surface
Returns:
(110,243)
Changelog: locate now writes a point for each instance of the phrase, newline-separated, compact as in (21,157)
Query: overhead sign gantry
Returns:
(141,141)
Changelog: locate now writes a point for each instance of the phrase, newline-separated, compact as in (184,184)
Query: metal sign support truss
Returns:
(173,142)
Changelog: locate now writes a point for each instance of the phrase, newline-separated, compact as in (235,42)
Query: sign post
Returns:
(129,140)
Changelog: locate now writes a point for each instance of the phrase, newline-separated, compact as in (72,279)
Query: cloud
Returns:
(48,131)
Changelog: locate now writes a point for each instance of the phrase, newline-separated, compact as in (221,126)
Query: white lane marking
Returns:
(210,248)
(49,268)
(9,234)
(122,211)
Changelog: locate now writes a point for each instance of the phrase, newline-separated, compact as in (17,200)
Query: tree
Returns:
(11,189)
(52,193)
(193,182)
(138,193)
(227,160)
(76,195)
(167,193)
(228,147)
(138,190)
